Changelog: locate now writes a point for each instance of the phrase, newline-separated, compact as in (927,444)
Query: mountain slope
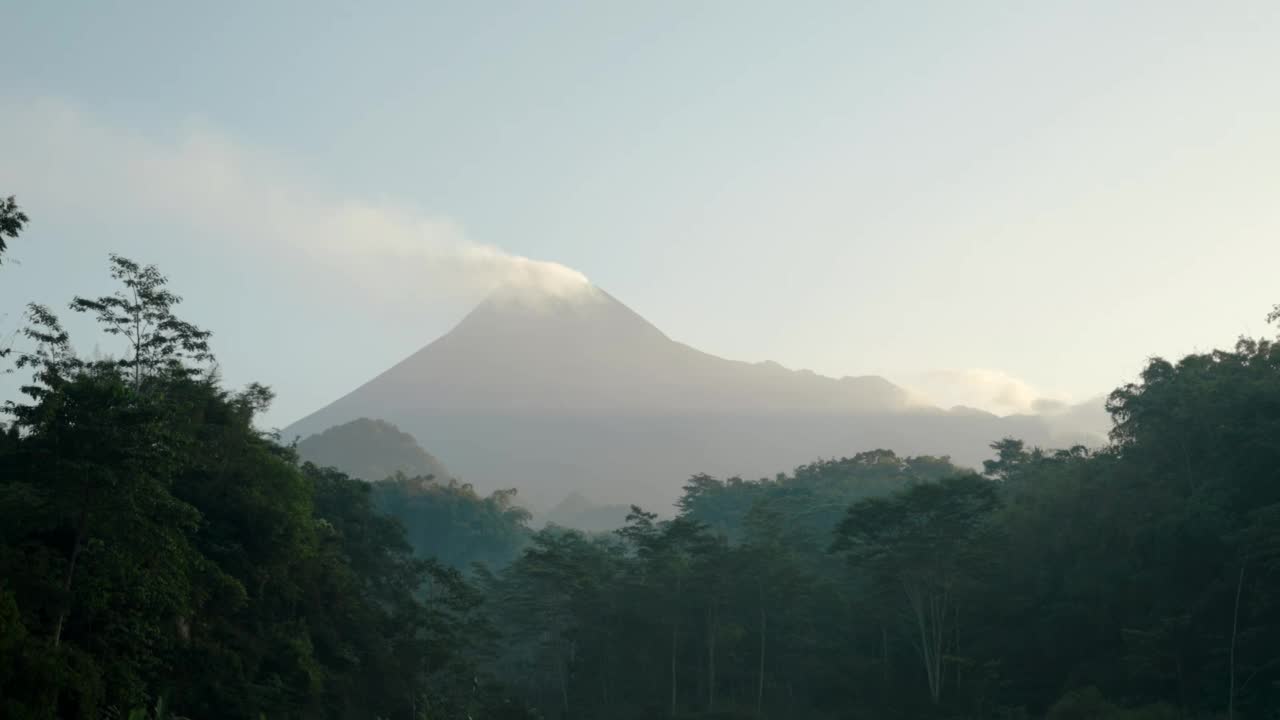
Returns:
(589,352)
(556,392)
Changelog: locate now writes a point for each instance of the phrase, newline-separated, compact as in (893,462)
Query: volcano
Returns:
(572,391)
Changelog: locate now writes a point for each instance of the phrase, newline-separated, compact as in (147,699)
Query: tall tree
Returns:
(142,313)
(914,543)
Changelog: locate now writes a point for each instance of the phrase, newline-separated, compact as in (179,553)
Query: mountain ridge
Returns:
(559,391)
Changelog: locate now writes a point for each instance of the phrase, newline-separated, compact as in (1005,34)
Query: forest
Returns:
(161,556)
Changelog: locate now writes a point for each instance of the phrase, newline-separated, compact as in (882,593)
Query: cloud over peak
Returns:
(64,160)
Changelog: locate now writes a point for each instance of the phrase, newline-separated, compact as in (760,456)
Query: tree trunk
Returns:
(959,665)
(674,631)
(712,620)
(939,605)
(760,674)
(917,607)
(82,527)
(884,653)
(930,614)
(764,620)
(1235,624)
(564,685)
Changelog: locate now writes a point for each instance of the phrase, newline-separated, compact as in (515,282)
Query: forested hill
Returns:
(162,558)
(370,450)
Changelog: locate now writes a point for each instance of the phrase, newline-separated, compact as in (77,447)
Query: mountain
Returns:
(1086,423)
(371,450)
(530,352)
(552,392)
(579,513)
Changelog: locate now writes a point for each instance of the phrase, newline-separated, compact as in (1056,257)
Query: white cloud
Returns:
(992,390)
(62,158)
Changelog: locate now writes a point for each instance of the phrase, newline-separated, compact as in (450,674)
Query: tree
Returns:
(915,543)
(774,581)
(12,222)
(142,313)
(158,551)
(449,521)
(97,459)
(87,432)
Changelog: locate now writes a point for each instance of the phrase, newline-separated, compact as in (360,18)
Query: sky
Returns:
(990,203)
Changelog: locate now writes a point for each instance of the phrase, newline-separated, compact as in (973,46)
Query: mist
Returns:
(67,161)
(649,361)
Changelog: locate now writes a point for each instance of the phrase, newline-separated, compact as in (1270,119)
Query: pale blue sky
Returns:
(1043,192)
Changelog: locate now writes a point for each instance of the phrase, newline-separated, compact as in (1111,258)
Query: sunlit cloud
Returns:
(994,391)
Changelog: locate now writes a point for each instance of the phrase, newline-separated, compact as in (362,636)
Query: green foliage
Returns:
(157,552)
(160,554)
(917,545)
(1073,583)
(452,523)
(12,221)
(812,500)
(142,313)
(1089,704)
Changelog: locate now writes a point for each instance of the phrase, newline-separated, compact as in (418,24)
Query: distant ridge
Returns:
(370,450)
(579,513)
(552,392)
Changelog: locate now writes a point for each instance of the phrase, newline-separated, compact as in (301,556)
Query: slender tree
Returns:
(142,313)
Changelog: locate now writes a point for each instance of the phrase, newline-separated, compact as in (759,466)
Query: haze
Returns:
(639,361)
(985,204)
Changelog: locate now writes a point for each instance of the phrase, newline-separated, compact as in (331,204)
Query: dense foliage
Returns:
(443,518)
(1134,581)
(161,556)
(451,522)
(157,552)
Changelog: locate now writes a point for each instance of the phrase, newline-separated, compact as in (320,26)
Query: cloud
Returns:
(196,178)
(992,390)
(1049,406)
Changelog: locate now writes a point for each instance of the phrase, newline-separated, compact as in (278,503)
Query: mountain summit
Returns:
(558,390)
